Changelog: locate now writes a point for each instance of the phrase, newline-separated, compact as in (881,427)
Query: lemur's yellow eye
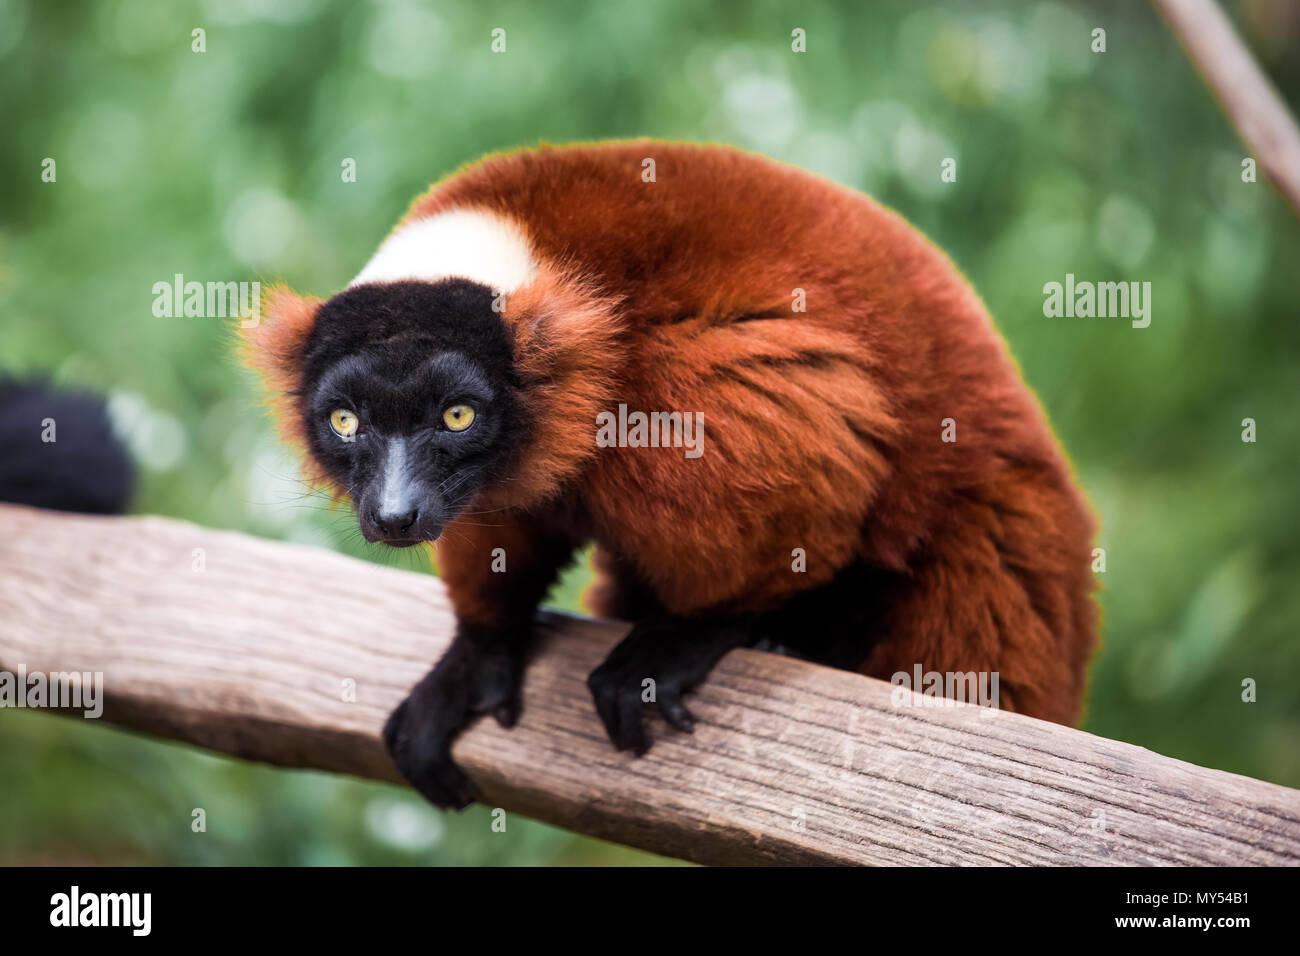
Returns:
(343,422)
(458,418)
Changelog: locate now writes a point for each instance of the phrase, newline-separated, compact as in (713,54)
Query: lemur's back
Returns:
(717,233)
(782,306)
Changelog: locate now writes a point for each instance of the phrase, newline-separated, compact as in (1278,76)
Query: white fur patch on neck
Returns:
(460,244)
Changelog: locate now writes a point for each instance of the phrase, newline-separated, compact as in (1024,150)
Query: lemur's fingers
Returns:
(496,690)
(677,655)
(631,717)
(419,734)
(425,761)
(674,711)
(507,714)
(444,784)
(618,702)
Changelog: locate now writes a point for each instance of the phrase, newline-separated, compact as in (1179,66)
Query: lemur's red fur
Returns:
(272,347)
(823,428)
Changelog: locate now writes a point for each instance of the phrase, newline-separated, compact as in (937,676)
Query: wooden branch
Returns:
(1245,93)
(790,762)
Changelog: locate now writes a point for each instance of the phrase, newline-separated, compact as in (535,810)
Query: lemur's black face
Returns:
(409,397)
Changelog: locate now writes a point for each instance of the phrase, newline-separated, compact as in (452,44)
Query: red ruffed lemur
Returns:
(872,487)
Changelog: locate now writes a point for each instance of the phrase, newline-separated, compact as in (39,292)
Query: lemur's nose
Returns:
(395,522)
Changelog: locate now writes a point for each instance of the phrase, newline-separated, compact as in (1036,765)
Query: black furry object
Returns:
(85,468)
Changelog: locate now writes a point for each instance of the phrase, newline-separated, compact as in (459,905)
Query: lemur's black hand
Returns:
(468,680)
(676,654)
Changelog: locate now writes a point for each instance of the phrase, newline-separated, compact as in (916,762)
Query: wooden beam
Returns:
(790,762)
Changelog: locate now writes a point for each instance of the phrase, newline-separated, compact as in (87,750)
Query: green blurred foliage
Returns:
(225,166)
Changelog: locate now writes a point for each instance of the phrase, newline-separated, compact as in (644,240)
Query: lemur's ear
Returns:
(564,336)
(272,344)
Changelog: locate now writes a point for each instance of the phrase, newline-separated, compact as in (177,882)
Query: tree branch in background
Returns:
(1246,94)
